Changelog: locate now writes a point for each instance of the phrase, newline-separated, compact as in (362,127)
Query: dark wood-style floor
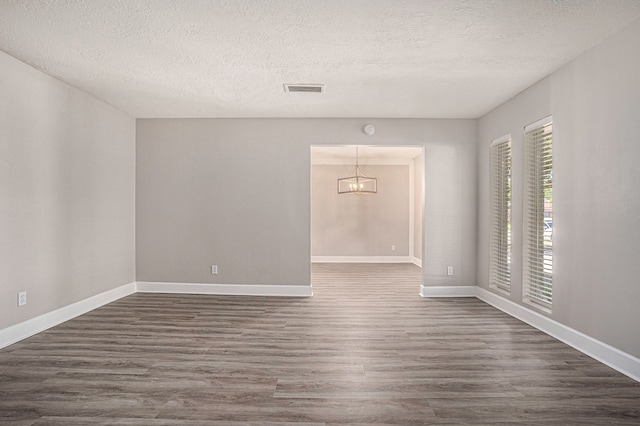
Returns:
(366,349)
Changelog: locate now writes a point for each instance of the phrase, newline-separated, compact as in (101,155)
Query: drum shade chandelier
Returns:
(359,183)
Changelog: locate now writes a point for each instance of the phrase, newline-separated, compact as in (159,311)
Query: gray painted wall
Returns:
(595,102)
(236,192)
(360,225)
(67,169)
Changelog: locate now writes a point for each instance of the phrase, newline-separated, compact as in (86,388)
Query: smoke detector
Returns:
(369,129)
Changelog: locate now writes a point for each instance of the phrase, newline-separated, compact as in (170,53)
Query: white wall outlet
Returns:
(449,270)
(22,298)
(393,248)
(214,269)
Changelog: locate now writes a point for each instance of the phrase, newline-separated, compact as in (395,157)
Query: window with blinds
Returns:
(500,250)
(538,213)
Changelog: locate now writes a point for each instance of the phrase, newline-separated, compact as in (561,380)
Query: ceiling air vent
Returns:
(304,88)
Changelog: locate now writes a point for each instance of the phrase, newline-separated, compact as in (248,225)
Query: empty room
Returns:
(356,212)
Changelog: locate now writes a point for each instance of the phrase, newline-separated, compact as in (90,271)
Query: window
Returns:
(500,251)
(538,213)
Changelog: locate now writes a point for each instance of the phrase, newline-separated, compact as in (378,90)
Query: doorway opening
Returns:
(381,228)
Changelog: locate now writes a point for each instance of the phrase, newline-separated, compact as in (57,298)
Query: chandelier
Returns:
(359,183)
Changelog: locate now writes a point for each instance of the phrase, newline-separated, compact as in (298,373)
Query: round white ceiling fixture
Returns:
(369,129)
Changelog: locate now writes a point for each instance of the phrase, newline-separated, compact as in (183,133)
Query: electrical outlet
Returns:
(449,270)
(22,298)
(214,269)
(393,248)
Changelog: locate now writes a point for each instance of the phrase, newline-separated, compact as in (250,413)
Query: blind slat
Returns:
(500,239)
(538,255)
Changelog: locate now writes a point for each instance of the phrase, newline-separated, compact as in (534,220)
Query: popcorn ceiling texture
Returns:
(377,58)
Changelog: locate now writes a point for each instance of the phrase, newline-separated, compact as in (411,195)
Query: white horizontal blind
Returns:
(538,213)
(500,251)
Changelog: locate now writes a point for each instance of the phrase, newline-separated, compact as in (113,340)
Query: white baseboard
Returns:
(606,354)
(361,259)
(15,333)
(416,261)
(226,289)
(444,291)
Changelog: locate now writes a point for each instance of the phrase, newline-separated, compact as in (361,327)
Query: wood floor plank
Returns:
(365,350)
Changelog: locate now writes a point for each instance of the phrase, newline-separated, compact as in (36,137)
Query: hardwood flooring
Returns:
(366,349)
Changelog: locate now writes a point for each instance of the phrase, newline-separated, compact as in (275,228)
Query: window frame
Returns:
(501,208)
(537,248)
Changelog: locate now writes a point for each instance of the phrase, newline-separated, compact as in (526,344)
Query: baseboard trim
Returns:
(600,351)
(28,328)
(361,259)
(226,289)
(444,291)
(416,261)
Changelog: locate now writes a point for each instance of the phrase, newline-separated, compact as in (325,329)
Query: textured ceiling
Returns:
(376,58)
